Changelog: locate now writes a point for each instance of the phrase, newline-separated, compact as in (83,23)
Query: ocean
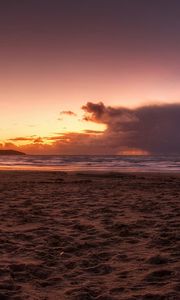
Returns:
(91,163)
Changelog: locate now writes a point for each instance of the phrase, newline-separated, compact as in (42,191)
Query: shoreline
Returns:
(88,171)
(98,173)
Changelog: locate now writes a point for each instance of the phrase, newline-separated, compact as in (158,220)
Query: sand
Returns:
(89,236)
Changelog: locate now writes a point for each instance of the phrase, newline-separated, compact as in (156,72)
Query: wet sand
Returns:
(89,236)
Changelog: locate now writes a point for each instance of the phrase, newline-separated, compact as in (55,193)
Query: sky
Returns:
(61,61)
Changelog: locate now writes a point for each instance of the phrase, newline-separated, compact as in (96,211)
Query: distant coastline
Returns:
(11,152)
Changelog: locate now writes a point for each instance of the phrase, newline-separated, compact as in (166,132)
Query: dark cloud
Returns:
(154,128)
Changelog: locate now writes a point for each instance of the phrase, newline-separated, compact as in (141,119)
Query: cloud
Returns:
(152,129)
(32,139)
(68,113)
(21,139)
(92,131)
(38,140)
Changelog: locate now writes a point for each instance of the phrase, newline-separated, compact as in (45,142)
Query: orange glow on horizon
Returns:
(134,152)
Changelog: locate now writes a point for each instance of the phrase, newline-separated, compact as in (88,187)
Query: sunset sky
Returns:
(86,76)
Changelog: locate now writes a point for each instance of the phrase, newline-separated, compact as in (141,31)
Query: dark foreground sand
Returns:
(84,237)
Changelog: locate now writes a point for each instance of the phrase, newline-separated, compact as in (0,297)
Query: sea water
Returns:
(92,163)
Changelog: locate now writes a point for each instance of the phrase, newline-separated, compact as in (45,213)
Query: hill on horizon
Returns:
(11,152)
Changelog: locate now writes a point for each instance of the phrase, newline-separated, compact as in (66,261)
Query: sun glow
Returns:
(134,152)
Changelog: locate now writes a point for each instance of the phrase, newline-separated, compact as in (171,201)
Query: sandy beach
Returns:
(104,236)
